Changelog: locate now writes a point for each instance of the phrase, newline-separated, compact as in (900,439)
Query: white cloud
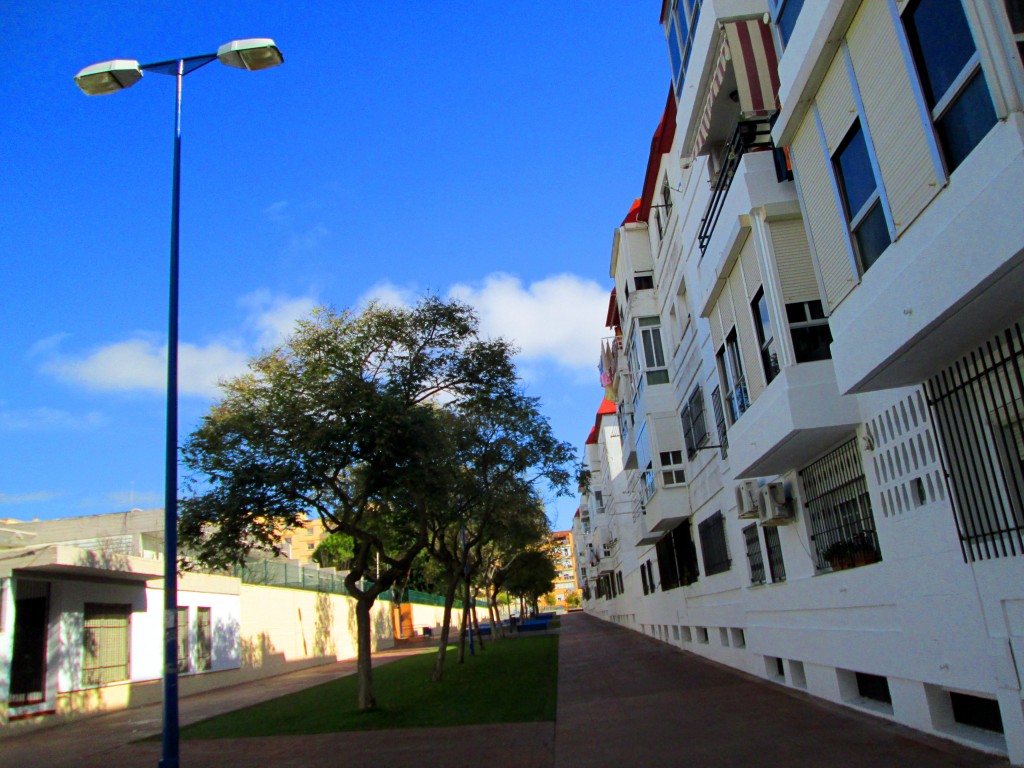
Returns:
(302,242)
(277,212)
(140,363)
(132,499)
(28,498)
(389,294)
(47,345)
(559,318)
(273,317)
(46,418)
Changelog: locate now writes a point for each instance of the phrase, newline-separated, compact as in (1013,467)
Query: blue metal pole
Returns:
(169,756)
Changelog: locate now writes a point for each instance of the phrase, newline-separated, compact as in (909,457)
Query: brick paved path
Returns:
(624,700)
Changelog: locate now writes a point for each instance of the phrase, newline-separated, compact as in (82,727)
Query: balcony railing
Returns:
(748,135)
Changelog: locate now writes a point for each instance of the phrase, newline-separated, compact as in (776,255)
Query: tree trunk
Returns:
(476,623)
(364,663)
(463,627)
(449,600)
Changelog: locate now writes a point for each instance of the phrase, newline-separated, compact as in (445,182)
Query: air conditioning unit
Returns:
(748,500)
(775,508)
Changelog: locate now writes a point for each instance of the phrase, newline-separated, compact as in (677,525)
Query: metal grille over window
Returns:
(839,510)
(776,566)
(754,558)
(694,430)
(203,640)
(184,660)
(105,634)
(723,434)
(713,545)
(977,405)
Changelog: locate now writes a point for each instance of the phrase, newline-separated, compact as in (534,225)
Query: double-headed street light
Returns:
(110,77)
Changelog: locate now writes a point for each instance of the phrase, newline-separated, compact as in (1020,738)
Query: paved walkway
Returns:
(623,700)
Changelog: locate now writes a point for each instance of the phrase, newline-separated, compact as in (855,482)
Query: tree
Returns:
(530,575)
(346,420)
(573,600)
(335,551)
(504,448)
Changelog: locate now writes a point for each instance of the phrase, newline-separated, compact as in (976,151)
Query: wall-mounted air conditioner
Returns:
(748,500)
(775,508)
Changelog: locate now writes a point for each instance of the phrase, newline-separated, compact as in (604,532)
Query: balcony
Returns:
(666,509)
(800,415)
(755,185)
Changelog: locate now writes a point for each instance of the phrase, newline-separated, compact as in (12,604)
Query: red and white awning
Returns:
(748,46)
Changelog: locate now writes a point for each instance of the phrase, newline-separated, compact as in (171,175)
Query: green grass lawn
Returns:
(513,681)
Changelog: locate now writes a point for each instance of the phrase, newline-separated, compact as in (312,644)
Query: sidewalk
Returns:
(624,700)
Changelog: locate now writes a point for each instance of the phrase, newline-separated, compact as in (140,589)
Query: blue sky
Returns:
(472,149)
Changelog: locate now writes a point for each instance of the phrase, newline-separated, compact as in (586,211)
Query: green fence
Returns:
(282,573)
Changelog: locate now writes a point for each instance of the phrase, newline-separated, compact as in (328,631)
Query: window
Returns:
(598,498)
(730,371)
(679,31)
(695,433)
(784,13)
(713,546)
(677,559)
(672,472)
(652,364)
(808,328)
(1015,12)
(645,463)
(105,643)
(776,566)
(643,578)
(184,658)
(754,558)
(622,589)
(949,69)
(204,640)
(723,434)
(765,336)
(977,405)
(664,209)
(859,190)
(643,282)
(839,510)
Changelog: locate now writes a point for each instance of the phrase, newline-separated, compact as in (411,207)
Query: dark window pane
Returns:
(786,19)
(812,343)
(941,42)
(816,310)
(853,167)
(673,51)
(966,122)
(872,237)
(796,313)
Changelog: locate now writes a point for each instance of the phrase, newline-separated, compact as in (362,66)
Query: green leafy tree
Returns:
(346,420)
(336,551)
(530,575)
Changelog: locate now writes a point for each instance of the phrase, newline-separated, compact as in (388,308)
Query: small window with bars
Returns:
(204,640)
(184,656)
(713,545)
(105,643)
(839,510)
(776,566)
(695,432)
(722,427)
(754,558)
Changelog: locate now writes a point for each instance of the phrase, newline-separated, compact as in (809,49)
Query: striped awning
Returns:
(756,65)
(748,47)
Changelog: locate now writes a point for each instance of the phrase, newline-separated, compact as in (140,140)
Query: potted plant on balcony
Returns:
(851,552)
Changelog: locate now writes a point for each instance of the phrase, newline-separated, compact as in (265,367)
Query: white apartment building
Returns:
(811,464)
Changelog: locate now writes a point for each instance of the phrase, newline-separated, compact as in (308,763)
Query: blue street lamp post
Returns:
(110,77)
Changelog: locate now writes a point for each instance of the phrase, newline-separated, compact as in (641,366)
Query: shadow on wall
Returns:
(226,642)
(323,631)
(258,651)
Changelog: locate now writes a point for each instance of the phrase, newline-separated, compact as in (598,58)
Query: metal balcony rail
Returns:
(748,135)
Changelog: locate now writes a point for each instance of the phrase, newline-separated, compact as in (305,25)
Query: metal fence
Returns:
(292,575)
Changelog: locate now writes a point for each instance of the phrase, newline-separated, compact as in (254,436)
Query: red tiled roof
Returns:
(634,211)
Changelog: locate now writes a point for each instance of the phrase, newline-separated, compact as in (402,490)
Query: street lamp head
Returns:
(108,77)
(254,53)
